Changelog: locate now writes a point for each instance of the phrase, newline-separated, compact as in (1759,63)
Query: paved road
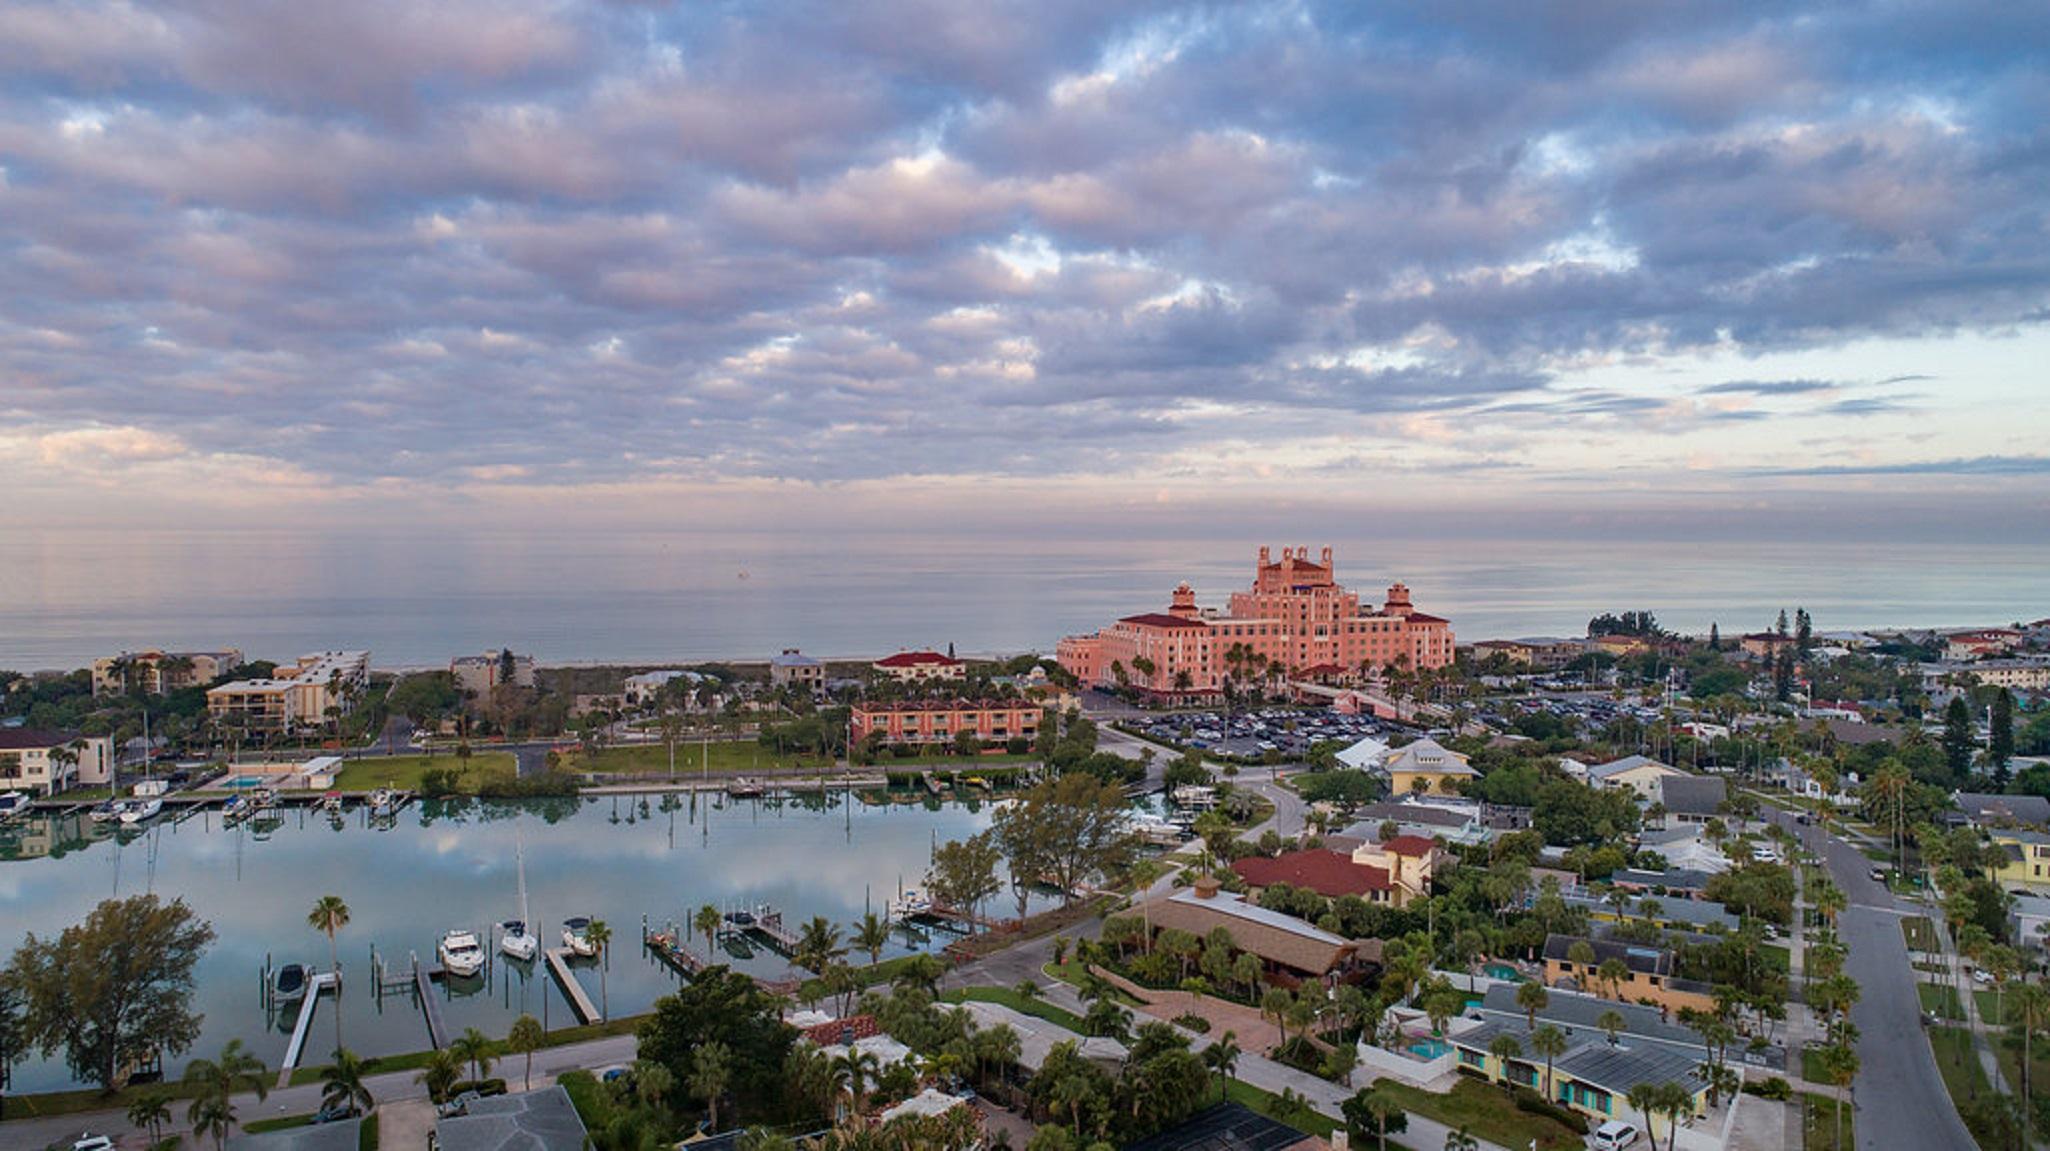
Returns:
(1900,1097)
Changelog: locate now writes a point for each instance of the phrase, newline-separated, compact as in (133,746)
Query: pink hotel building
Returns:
(1296,613)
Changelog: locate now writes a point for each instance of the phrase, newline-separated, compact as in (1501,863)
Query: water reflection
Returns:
(447,864)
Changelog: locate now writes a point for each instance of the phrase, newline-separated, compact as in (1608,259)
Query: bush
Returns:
(1193,1022)
(1772,1087)
(1017,745)
(1536,1104)
(481,1087)
(1473,1073)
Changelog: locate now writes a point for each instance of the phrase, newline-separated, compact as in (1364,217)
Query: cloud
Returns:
(566,243)
(1971,466)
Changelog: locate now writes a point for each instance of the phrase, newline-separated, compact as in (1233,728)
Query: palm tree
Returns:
(652,1082)
(212,1111)
(1383,1104)
(711,1070)
(871,935)
(1613,972)
(707,922)
(1613,1023)
(440,1073)
(1533,998)
(600,935)
(328,916)
(1645,1097)
(1461,1141)
(1840,1063)
(525,1038)
(474,1048)
(341,1085)
(1505,1048)
(1222,1060)
(853,1071)
(1549,1042)
(818,943)
(1675,1101)
(151,1110)
(2031,1004)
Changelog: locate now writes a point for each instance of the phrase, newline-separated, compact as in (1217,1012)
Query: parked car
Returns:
(335,1114)
(87,1141)
(1613,1136)
(1879,875)
(460,1105)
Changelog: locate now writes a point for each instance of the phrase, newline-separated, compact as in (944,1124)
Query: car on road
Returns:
(1613,1136)
(1878,875)
(335,1113)
(87,1141)
(1980,975)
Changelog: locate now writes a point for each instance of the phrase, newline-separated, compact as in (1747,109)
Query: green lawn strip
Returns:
(1963,1075)
(1942,999)
(2008,1048)
(50,1103)
(1811,1066)
(404,771)
(560,1037)
(815,989)
(724,757)
(1005,997)
(1302,1119)
(279,1123)
(1990,1004)
(1818,1123)
(1918,933)
(1778,957)
(1487,1114)
(366,1135)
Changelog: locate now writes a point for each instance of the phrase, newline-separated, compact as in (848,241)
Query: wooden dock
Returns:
(579,999)
(674,952)
(423,986)
(769,925)
(297,1046)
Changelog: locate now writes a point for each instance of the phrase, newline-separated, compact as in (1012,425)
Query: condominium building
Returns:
(51,761)
(294,697)
(478,675)
(158,672)
(1296,618)
(943,720)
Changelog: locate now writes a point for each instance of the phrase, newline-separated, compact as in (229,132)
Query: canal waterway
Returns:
(446,865)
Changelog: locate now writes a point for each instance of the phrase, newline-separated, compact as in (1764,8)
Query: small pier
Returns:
(670,948)
(579,999)
(423,986)
(769,925)
(314,986)
(957,918)
(932,782)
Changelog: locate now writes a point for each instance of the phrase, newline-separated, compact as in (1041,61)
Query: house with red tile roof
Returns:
(1411,861)
(917,666)
(1328,873)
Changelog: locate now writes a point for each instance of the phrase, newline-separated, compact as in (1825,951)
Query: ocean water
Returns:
(415,597)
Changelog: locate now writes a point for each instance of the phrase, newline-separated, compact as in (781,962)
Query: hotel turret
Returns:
(1296,619)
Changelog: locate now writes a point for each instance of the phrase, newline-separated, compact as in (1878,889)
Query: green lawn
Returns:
(1963,1075)
(559,1037)
(278,1123)
(1919,934)
(1942,999)
(1777,956)
(1487,1114)
(404,771)
(1005,997)
(1302,1119)
(1990,1004)
(2009,1049)
(725,758)
(1811,1066)
(1818,1124)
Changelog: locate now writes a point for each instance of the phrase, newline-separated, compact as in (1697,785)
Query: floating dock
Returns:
(297,1047)
(423,986)
(769,925)
(579,999)
(674,952)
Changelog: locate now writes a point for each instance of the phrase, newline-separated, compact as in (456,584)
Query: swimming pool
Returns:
(243,782)
(1429,1048)
(1503,972)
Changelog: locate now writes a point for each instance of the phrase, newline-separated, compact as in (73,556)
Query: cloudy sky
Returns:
(1631,262)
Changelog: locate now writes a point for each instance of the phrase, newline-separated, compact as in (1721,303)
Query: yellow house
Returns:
(1592,1076)
(2025,859)
(1425,768)
(1639,773)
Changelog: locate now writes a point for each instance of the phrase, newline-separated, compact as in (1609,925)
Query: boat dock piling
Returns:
(769,925)
(670,948)
(572,988)
(314,986)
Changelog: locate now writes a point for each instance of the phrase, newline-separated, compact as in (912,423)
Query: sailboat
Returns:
(517,941)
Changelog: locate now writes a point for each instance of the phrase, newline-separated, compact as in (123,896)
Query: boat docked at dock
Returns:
(139,811)
(460,953)
(384,803)
(576,937)
(237,809)
(289,984)
(909,904)
(105,811)
(514,937)
(13,803)
(746,787)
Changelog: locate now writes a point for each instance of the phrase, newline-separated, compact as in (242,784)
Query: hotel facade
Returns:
(295,697)
(1296,615)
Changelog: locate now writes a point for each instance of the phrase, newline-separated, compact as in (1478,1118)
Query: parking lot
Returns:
(1252,734)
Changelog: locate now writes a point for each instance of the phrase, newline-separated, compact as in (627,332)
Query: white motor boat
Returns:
(461,955)
(514,937)
(576,936)
(105,811)
(910,903)
(13,803)
(137,811)
(384,802)
(289,984)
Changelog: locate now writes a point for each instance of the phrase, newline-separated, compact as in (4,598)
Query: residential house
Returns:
(640,690)
(1649,975)
(39,760)
(543,1119)
(1425,767)
(1640,773)
(1980,644)
(1764,644)
(1411,861)
(920,666)
(792,668)
(2028,920)
(1691,798)
(1575,1013)
(1984,810)
(1593,1076)
(1686,848)
(1672,883)
(1686,914)
(1292,950)
(1229,1127)
(1328,873)
(1366,755)
(2025,859)
(1461,824)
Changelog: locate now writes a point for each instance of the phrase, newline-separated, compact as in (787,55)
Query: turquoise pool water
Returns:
(1429,1048)
(1503,972)
(239,782)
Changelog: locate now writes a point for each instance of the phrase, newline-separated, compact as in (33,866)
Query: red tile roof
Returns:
(915,659)
(829,1034)
(1162,619)
(1328,873)
(1410,845)
(1420,617)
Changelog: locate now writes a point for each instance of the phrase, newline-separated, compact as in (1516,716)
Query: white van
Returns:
(1613,1136)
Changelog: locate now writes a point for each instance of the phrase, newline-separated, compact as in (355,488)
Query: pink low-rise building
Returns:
(1296,620)
(943,720)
